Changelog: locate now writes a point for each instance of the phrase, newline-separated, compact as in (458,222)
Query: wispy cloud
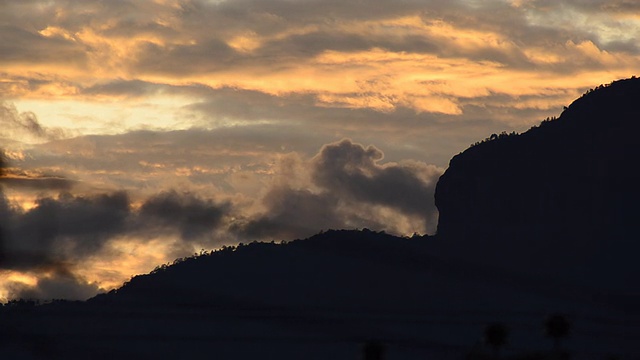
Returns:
(431,54)
(24,126)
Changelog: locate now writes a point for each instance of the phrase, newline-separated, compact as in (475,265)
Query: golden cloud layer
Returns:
(420,59)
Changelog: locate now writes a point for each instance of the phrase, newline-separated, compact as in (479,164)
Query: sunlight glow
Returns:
(9,279)
(126,257)
(112,116)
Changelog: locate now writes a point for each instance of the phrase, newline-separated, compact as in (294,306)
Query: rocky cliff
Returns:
(562,197)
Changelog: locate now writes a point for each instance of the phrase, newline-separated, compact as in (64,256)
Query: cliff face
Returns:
(563,196)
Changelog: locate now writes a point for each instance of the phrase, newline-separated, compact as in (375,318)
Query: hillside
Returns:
(318,298)
(558,200)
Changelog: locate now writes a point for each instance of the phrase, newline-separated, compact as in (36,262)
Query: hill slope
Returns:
(319,298)
(561,199)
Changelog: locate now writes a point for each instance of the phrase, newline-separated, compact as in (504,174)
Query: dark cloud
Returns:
(208,56)
(124,27)
(254,105)
(350,170)
(50,239)
(347,186)
(72,15)
(314,43)
(128,88)
(36,182)
(293,213)
(628,46)
(589,6)
(22,46)
(273,17)
(67,229)
(62,229)
(305,12)
(339,188)
(193,216)
(58,285)
(621,6)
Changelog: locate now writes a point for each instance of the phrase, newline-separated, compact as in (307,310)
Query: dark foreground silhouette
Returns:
(559,201)
(536,257)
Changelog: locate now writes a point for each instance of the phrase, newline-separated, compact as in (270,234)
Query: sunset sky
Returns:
(135,132)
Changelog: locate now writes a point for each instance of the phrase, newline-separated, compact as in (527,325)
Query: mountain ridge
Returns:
(559,197)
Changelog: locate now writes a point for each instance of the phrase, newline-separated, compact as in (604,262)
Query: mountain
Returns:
(561,199)
(530,224)
(317,298)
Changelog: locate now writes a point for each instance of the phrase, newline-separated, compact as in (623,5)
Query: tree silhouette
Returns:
(495,335)
(372,350)
(557,327)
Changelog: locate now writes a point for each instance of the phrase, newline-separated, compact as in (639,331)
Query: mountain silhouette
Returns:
(532,224)
(561,199)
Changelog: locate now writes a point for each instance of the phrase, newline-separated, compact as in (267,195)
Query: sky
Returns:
(136,132)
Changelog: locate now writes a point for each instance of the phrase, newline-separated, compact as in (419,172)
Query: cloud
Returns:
(238,44)
(38,182)
(124,88)
(55,285)
(58,242)
(193,216)
(24,126)
(446,70)
(19,45)
(211,56)
(345,186)
(58,230)
(353,171)
(220,161)
(286,119)
(293,213)
(22,123)
(63,230)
